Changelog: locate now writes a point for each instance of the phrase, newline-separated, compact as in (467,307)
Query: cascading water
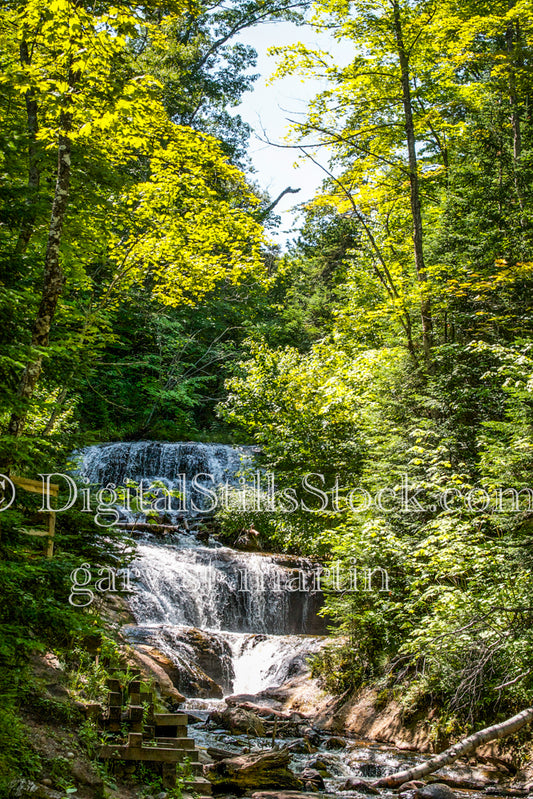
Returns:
(233,621)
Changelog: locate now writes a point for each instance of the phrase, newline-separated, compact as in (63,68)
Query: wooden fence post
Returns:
(36,487)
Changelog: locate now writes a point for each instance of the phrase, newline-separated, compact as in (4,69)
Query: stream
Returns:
(221,615)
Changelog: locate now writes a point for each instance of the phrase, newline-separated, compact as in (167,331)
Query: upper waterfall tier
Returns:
(162,461)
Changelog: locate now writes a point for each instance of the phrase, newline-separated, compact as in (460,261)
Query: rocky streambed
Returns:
(251,746)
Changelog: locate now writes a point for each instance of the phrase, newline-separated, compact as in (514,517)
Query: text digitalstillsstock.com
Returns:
(201,494)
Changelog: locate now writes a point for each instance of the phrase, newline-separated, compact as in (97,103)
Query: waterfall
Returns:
(159,460)
(263,661)
(229,620)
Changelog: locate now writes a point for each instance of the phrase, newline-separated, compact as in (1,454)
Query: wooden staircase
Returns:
(157,738)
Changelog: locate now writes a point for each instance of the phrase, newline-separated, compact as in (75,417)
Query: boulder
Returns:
(335,743)
(27,789)
(265,769)
(85,773)
(312,779)
(237,720)
(412,785)
(353,784)
(319,765)
(435,790)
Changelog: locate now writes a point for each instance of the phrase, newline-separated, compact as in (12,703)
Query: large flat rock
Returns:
(288,795)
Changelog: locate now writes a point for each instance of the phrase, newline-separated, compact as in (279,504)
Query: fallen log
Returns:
(507,727)
(219,754)
(264,712)
(145,527)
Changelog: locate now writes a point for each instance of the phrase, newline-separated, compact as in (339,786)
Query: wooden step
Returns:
(200,786)
(175,743)
(153,754)
(169,731)
(114,699)
(170,719)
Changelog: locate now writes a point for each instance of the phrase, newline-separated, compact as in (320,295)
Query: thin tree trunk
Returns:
(34,175)
(492,733)
(383,274)
(416,209)
(56,411)
(512,40)
(53,280)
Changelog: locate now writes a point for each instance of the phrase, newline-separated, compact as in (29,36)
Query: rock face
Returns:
(211,655)
(160,668)
(267,769)
(201,663)
(436,790)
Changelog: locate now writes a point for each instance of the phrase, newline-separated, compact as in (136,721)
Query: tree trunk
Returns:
(53,281)
(34,175)
(501,730)
(416,209)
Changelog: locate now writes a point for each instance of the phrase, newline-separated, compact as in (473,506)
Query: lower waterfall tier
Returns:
(212,664)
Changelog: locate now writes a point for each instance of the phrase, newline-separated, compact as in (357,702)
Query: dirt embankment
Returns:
(361,715)
(367,715)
